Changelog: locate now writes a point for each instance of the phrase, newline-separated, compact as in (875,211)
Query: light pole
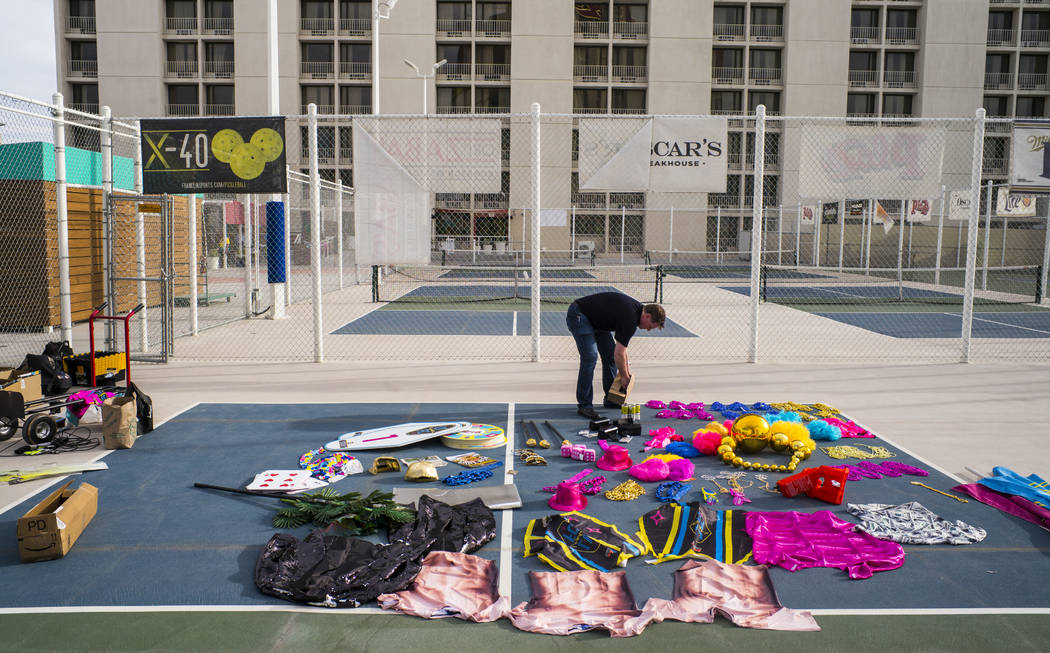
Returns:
(380,9)
(425,77)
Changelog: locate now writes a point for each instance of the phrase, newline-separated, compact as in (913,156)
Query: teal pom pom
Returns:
(821,430)
(784,416)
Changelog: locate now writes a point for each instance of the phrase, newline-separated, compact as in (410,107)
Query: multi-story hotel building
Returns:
(796,57)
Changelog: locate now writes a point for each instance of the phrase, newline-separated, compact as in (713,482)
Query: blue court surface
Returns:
(832,294)
(731,272)
(949,325)
(157,541)
(511,273)
(466,293)
(477,323)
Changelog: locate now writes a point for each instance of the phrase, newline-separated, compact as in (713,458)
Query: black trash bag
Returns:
(53,379)
(337,571)
(143,408)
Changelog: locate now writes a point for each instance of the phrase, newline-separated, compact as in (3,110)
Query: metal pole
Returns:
(780,233)
(1046,255)
(900,252)
(106,142)
(339,227)
(911,226)
(1002,249)
(756,224)
(867,243)
(940,241)
(246,250)
(315,231)
(286,198)
(818,218)
(623,222)
(718,234)
(225,237)
(142,317)
(62,220)
(191,236)
(572,237)
(798,235)
(842,230)
(971,234)
(536,199)
(670,237)
(987,233)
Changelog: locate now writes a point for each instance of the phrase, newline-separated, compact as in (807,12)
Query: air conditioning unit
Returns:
(898,41)
(319,32)
(585,244)
(763,38)
(895,84)
(494,34)
(183,32)
(858,40)
(857,84)
(590,78)
(454,76)
(723,80)
(319,76)
(760,81)
(726,37)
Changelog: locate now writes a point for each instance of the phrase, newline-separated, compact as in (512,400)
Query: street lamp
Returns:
(380,9)
(425,77)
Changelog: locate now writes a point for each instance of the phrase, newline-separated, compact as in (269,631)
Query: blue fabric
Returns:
(1030,487)
(591,344)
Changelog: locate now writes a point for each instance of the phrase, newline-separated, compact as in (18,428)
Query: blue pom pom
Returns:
(821,430)
(784,416)
(683,449)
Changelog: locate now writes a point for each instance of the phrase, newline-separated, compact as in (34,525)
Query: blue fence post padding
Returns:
(275,242)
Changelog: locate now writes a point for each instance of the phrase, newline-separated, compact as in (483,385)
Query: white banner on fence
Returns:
(443,155)
(553,217)
(391,209)
(959,205)
(674,155)
(918,211)
(839,162)
(1031,158)
(1012,205)
(807,214)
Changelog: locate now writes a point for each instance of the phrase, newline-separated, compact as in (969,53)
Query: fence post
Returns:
(987,234)
(842,230)
(718,233)
(940,241)
(572,236)
(818,218)
(1046,256)
(246,250)
(140,248)
(191,236)
(62,219)
(287,199)
(536,199)
(106,148)
(315,232)
(756,224)
(623,229)
(798,235)
(971,234)
(339,227)
(670,237)
(900,252)
(780,233)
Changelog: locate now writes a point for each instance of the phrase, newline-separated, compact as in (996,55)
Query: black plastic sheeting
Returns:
(337,571)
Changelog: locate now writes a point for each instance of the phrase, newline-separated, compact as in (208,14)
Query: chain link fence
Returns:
(864,246)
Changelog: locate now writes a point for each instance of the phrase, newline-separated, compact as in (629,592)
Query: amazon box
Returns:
(50,529)
(25,383)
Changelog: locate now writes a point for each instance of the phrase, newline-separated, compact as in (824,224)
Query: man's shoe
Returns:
(609,404)
(587,412)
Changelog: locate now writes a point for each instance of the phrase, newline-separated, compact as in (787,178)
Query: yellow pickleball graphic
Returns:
(269,143)
(223,143)
(247,161)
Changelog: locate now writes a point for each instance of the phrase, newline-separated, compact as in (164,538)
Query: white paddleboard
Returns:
(398,435)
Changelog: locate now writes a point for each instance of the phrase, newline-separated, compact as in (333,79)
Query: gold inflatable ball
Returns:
(246,161)
(752,444)
(779,442)
(716,427)
(750,424)
(269,143)
(222,144)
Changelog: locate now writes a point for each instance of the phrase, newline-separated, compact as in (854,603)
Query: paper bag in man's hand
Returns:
(120,424)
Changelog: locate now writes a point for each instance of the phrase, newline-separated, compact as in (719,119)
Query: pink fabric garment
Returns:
(742,594)
(1012,504)
(849,429)
(451,585)
(570,602)
(795,540)
(87,399)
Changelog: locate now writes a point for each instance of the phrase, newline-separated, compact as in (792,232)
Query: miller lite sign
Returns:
(1031,157)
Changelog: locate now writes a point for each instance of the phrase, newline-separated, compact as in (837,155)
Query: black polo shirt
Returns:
(612,311)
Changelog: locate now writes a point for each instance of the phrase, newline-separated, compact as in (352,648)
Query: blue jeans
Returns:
(591,344)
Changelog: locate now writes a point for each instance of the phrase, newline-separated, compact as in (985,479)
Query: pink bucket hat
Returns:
(567,497)
(615,458)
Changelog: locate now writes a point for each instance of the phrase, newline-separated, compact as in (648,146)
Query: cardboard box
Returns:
(617,394)
(25,383)
(50,529)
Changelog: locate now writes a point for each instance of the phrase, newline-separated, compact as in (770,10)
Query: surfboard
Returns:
(398,435)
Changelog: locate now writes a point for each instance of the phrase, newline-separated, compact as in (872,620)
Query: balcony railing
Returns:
(491,201)
(317,26)
(723,200)
(80,24)
(452,200)
(725,75)
(729,31)
(767,32)
(325,154)
(627,110)
(218,26)
(492,28)
(455,27)
(998,80)
(495,109)
(734,160)
(219,110)
(589,110)
(86,107)
(453,108)
(355,26)
(899,78)
(1038,38)
(631,31)
(455,71)
(994,165)
(1001,36)
(764,75)
(325,109)
(590,73)
(173,25)
(353,109)
(218,69)
(355,69)
(317,69)
(1031,82)
(83,68)
(864,34)
(181,69)
(627,200)
(902,35)
(993,125)
(492,72)
(591,29)
(184,109)
(863,78)
(630,73)
(588,200)
(346,154)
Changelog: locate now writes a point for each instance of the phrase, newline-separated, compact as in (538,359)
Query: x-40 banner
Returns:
(213,155)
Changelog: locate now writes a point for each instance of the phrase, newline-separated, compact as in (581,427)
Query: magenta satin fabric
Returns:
(795,540)
(1009,503)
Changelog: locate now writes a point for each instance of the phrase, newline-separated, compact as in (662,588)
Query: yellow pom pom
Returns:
(717,428)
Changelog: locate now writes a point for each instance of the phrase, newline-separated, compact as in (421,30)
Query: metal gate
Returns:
(139,269)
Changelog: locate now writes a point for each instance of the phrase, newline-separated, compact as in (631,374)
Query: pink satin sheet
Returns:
(451,585)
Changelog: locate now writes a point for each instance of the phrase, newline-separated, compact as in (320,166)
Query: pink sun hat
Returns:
(567,497)
(615,458)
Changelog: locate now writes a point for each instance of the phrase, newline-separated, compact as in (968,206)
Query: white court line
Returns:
(514,324)
(1016,326)
(507,530)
